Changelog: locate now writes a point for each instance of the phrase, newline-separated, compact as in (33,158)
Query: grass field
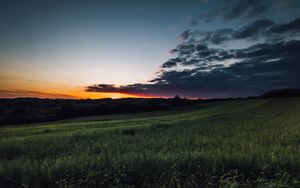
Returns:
(247,143)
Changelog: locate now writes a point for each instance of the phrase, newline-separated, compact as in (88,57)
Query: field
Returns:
(242,143)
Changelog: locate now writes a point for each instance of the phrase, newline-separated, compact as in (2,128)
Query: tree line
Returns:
(33,110)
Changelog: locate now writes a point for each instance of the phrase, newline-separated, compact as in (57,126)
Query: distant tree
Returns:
(282,93)
(177,97)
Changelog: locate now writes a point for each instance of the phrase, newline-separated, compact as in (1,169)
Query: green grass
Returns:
(223,144)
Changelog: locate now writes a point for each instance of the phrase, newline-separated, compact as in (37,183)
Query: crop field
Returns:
(241,143)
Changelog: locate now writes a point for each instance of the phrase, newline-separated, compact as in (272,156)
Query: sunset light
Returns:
(149,93)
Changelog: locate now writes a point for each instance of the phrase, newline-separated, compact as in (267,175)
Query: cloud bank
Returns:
(227,62)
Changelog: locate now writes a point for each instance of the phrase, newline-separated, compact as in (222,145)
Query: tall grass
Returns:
(230,144)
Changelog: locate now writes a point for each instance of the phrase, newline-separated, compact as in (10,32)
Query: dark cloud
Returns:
(184,35)
(134,88)
(293,26)
(215,37)
(258,29)
(254,30)
(185,49)
(172,63)
(245,8)
(200,69)
(230,10)
(103,88)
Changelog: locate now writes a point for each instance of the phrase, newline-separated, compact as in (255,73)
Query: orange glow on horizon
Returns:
(63,95)
(98,95)
(12,86)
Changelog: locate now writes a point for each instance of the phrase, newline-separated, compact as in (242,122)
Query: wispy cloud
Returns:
(26,93)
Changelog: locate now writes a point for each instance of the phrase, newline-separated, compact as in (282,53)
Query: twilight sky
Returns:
(146,48)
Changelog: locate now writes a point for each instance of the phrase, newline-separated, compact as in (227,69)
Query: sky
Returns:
(148,48)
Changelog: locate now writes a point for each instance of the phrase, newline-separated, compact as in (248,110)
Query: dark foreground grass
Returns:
(252,143)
